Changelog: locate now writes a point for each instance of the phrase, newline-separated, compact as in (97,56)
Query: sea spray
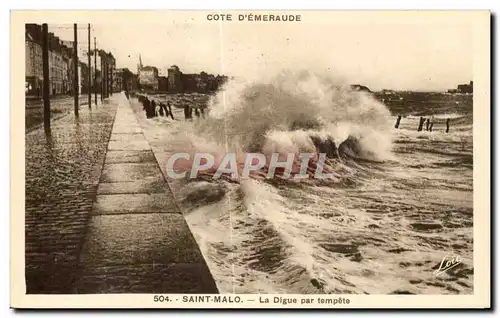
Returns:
(261,236)
(281,112)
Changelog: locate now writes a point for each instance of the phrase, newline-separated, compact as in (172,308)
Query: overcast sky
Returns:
(431,57)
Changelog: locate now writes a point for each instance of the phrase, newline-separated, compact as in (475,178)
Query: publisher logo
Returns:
(448,262)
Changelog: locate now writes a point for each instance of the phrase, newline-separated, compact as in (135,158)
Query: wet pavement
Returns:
(62,171)
(59,106)
(99,215)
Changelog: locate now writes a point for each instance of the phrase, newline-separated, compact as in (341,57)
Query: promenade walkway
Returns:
(99,217)
(62,170)
(137,239)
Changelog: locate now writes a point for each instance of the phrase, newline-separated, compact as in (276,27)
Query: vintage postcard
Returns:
(250,159)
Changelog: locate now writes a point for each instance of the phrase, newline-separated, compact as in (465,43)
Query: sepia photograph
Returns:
(203,157)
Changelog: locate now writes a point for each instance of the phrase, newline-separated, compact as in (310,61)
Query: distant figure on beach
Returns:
(190,112)
(421,123)
(447,124)
(202,111)
(427,124)
(197,113)
(397,122)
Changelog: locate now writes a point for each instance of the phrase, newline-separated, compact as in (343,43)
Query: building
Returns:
(95,70)
(83,75)
(60,63)
(111,63)
(162,83)
(139,65)
(175,80)
(388,91)
(148,78)
(220,80)
(463,89)
(133,82)
(108,65)
(56,67)
(67,70)
(122,80)
(67,52)
(62,66)
(201,83)
(96,88)
(95,63)
(118,82)
(33,60)
(190,82)
(466,88)
(95,77)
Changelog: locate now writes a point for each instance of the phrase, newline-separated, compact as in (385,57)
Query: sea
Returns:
(395,211)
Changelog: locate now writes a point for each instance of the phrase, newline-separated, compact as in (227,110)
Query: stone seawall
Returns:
(137,239)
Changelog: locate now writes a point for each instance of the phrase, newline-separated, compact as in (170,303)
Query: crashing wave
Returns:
(297,112)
